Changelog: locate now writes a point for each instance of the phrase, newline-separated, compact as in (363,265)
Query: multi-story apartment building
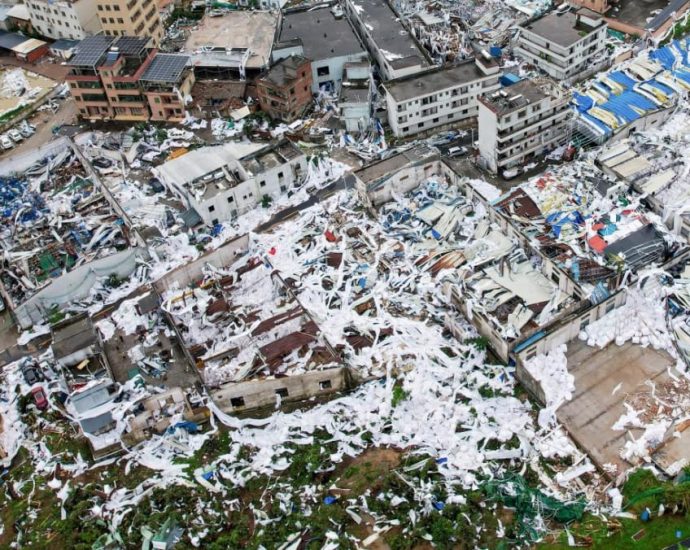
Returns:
(441,96)
(522,122)
(131,18)
(125,79)
(285,89)
(564,44)
(73,19)
(389,42)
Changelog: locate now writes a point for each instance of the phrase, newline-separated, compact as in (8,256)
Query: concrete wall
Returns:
(76,285)
(400,182)
(356,116)
(570,328)
(256,394)
(187,274)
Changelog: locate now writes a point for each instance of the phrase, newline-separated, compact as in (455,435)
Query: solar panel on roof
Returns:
(165,68)
(91,50)
(131,45)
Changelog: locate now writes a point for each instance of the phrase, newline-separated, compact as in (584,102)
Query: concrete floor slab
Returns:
(595,406)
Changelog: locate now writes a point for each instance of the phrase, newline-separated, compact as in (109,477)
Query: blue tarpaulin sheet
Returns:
(623,79)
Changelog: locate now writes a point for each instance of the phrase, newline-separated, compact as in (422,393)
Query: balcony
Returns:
(528,124)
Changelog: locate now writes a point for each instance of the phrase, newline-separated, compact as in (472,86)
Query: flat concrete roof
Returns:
(563,28)
(432,81)
(322,35)
(393,40)
(514,98)
(237,30)
(374,171)
(351,94)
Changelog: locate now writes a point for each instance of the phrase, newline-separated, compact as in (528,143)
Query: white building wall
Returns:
(332,70)
(488,131)
(232,202)
(448,106)
(356,116)
(543,127)
(74,20)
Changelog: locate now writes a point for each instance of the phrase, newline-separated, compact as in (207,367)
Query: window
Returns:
(280,175)
(323,71)
(231,199)
(610,306)
(584,323)
(262,184)
(522,114)
(325,385)
(215,221)
(283,188)
(555,277)
(237,401)
(282,392)
(211,208)
(531,353)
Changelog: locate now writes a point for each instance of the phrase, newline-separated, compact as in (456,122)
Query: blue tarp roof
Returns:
(664,56)
(662,87)
(623,79)
(583,102)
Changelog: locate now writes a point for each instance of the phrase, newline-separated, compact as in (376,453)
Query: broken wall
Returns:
(76,285)
(191,272)
(254,394)
(18,163)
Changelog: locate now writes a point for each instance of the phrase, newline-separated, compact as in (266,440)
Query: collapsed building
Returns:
(654,164)
(60,233)
(634,96)
(549,260)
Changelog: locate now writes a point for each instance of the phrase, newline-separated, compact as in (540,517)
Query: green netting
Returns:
(528,503)
(47,262)
(645,494)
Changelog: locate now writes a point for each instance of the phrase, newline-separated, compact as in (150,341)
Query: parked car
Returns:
(510,173)
(31,374)
(5,142)
(26,129)
(14,135)
(457,151)
(40,398)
